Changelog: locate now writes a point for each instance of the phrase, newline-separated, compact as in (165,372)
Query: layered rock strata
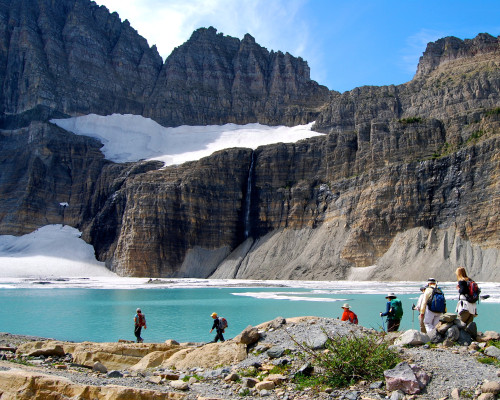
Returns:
(394,160)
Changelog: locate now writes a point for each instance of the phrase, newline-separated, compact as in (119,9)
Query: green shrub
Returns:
(494,111)
(349,359)
(411,120)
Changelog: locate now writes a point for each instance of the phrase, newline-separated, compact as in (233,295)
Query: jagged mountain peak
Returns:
(452,48)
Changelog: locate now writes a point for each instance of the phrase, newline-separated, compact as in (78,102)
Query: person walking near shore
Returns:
(468,295)
(394,312)
(219,326)
(139,323)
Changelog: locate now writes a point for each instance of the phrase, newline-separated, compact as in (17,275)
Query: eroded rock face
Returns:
(20,385)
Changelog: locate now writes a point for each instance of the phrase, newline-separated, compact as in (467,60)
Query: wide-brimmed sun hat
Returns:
(138,310)
(346,305)
(213,315)
(390,296)
(431,280)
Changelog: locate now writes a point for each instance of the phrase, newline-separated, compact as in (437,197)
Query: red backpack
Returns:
(141,319)
(353,318)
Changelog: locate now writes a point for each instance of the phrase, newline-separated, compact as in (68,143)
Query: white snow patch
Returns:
(130,138)
(51,251)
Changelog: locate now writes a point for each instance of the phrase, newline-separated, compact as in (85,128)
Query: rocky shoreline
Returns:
(250,365)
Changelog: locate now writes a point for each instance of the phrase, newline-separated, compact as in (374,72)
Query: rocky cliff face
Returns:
(73,57)
(403,183)
(70,58)
(215,79)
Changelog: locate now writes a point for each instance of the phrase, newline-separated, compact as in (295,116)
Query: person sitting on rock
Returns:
(139,322)
(348,315)
(218,328)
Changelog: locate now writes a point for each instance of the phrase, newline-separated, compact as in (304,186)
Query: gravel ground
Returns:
(450,368)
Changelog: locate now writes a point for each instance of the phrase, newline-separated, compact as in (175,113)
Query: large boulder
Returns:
(408,378)
(119,356)
(25,385)
(412,337)
(492,351)
(208,356)
(248,336)
(48,348)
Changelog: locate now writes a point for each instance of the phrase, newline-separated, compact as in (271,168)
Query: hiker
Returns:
(348,315)
(433,306)
(468,294)
(394,312)
(218,326)
(417,307)
(139,322)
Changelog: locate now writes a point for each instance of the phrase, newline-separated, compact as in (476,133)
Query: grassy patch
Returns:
(249,372)
(494,111)
(350,359)
(411,120)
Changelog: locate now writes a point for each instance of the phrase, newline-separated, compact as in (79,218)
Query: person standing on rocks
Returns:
(394,312)
(418,306)
(139,322)
(218,328)
(429,315)
(348,315)
(466,309)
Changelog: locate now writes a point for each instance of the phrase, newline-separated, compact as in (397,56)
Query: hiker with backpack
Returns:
(394,312)
(433,306)
(468,292)
(220,324)
(139,323)
(348,315)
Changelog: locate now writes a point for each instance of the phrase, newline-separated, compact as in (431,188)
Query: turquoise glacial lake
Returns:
(106,314)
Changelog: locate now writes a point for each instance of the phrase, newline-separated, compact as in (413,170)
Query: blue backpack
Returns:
(437,302)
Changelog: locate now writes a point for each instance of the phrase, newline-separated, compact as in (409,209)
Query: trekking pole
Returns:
(412,316)
(383,326)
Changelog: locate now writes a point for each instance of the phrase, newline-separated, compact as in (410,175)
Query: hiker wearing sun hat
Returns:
(393,312)
(220,324)
(348,315)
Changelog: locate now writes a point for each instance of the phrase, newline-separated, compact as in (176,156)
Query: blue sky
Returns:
(347,43)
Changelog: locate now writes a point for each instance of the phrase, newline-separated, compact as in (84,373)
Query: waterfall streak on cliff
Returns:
(248,199)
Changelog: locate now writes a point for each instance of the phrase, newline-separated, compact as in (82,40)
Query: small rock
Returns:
(232,377)
(114,374)
(490,387)
(412,337)
(306,370)
(455,394)
(250,382)
(276,352)
(61,366)
(264,393)
(397,395)
(492,351)
(179,385)
(265,385)
(170,376)
(98,367)
(377,385)
(486,396)
(154,379)
(354,395)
